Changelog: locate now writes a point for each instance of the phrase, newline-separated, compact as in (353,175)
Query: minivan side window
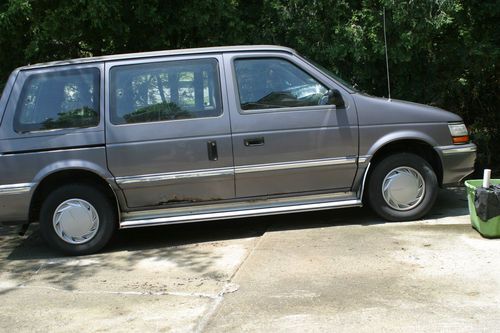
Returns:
(269,83)
(183,89)
(57,100)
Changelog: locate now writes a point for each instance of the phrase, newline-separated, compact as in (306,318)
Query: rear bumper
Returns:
(457,162)
(14,202)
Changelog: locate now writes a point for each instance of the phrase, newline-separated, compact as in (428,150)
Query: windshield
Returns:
(330,74)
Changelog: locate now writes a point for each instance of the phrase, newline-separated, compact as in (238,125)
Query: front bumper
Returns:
(457,162)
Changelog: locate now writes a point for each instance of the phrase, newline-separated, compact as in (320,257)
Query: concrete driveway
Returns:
(340,270)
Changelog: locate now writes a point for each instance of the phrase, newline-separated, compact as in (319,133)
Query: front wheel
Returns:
(402,187)
(77,219)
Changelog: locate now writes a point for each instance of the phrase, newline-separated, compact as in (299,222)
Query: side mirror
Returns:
(333,97)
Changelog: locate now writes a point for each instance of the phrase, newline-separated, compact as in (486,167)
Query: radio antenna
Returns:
(387,60)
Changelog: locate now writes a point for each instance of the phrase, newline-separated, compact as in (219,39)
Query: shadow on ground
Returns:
(170,240)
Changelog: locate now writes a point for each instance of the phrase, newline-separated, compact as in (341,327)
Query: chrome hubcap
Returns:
(403,188)
(76,221)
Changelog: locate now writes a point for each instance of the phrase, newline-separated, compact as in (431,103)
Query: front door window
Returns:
(269,83)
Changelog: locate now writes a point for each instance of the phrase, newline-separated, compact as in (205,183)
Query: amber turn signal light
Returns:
(460,139)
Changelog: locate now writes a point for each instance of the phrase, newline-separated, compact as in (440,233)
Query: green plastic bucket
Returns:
(490,228)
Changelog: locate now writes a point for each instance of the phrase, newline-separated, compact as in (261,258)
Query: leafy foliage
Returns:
(82,117)
(442,52)
(157,112)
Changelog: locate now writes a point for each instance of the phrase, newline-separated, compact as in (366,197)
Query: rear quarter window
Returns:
(57,100)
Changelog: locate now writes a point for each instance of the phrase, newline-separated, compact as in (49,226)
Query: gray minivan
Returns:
(91,145)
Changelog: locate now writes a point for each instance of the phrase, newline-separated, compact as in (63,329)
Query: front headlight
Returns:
(459,133)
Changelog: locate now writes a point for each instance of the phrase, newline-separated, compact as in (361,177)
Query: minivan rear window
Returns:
(163,91)
(57,100)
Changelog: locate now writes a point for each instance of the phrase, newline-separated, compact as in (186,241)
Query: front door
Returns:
(168,137)
(287,136)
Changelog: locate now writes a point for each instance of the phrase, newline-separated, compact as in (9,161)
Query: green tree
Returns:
(441,52)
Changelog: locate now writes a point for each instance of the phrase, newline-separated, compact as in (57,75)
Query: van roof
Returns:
(201,50)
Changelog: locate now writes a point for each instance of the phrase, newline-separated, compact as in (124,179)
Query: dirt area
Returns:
(339,270)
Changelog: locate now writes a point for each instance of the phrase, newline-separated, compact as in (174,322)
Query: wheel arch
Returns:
(59,177)
(420,145)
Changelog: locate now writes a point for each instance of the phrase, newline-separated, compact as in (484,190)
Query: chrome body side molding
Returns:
(175,175)
(233,170)
(363,159)
(16,188)
(451,150)
(294,165)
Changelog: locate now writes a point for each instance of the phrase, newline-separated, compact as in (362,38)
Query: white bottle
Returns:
(486,178)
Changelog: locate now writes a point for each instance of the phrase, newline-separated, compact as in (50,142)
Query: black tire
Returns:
(104,207)
(383,168)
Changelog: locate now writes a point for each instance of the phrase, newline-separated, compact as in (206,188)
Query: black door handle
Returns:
(212,151)
(254,141)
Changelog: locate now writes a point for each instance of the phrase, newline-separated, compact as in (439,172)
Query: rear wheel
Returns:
(77,219)
(402,187)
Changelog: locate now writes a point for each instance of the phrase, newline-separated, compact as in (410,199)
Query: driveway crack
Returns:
(229,287)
